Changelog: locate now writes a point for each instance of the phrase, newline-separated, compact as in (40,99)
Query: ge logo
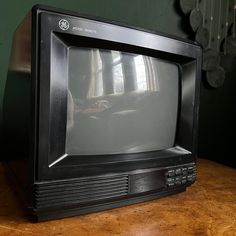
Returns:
(64,24)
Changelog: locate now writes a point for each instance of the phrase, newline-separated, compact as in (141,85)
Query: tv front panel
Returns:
(104,114)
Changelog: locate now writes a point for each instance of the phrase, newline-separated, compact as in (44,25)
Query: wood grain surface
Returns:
(208,207)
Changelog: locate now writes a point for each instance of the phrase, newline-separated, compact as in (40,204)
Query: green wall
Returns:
(151,14)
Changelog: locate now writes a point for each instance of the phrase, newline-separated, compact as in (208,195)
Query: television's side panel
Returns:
(16,106)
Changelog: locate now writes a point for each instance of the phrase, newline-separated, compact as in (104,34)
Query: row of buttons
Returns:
(180,175)
(181,171)
(180,180)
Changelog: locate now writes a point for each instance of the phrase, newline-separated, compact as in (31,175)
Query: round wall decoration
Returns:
(213,24)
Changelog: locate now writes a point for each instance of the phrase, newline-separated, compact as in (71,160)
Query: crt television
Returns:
(98,114)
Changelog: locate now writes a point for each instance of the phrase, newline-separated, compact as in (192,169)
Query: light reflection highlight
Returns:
(114,72)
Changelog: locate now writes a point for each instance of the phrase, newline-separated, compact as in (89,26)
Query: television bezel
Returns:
(45,138)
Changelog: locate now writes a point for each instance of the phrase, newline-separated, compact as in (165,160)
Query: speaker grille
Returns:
(79,191)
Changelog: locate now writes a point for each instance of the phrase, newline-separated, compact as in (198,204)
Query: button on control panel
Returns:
(177,176)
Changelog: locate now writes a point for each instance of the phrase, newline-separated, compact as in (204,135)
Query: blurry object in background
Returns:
(210,21)
(216,77)
(187,5)
(195,18)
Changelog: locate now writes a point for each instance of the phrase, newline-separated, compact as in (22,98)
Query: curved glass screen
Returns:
(120,102)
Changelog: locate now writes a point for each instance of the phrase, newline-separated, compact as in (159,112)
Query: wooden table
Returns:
(207,208)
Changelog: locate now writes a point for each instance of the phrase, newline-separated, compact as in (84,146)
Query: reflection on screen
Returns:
(120,102)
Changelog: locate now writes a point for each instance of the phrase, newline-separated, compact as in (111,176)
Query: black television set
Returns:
(98,114)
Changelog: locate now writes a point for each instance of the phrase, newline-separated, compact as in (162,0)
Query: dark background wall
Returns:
(217,106)
(217,123)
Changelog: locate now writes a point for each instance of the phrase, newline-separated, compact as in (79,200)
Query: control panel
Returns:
(180,175)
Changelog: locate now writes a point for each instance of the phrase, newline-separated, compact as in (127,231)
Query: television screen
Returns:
(120,102)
